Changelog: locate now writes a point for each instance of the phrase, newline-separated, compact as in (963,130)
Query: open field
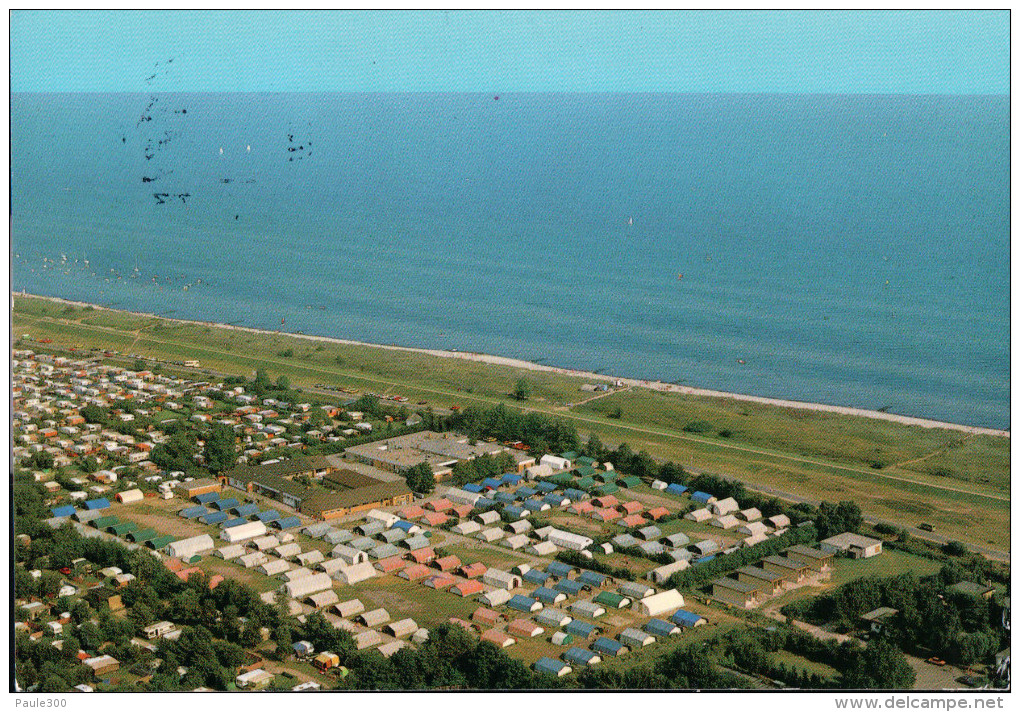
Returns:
(815,455)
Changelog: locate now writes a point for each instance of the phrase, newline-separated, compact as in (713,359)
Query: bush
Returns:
(698,426)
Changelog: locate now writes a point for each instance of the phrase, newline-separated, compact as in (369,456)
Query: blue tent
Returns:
(483,502)
(270,515)
(526,492)
(225,504)
(402,525)
(701,497)
(491,483)
(101,503)
(555,500)
(535,505)
(576,495)
(608,646)
(193,512)
(685,619)
(472,487)
(207,497)
(659,627)
(546,487)
(246,510)
(505,497)
(66,511)
(521,603)
(549,666)
(591,578)
(579,656)
(286,522)
(510,478)
(535,576)
(213,518)
(571,588)
(704,559)
(515,511)
(559,569)
(676,489)
(580,628)
(235,522)
(545,595)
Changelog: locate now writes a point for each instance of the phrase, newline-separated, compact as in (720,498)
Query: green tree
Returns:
(93,413)
(522,390)
(220,453)
(421,479)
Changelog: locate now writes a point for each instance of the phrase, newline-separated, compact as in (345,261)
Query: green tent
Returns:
(609,600)
(631,481)
(607,489)
(104,522)
(160,541)
(122,529)
(142,535)
(587,484)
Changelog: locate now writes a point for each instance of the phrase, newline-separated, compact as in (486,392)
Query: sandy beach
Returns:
(587,375)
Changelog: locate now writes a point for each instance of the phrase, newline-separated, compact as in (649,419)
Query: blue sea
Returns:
(851,250)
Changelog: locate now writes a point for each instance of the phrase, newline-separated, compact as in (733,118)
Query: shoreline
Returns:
(577,373)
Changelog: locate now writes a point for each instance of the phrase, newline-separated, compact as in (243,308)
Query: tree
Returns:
(177,453)
(93,413)
(421,479)
(283,382)
(220,453)
(42,460)
(522,390)
(139,364)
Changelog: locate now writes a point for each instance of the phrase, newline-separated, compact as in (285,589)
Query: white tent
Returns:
(331,566)
(274,567)
(253,559)
(661,603)
(724,506)
(356,573)
(662,574)
(386,518)
(286,551)
(459,496)
(243,531)
(307,585)
(495,598)
(569,540)
(501,579)
(349,555)
(185,548)
(131,495)
(542,548)
(231,551)
(264,542)
(295,574)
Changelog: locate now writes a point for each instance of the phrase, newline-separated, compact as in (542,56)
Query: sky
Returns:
(879,52)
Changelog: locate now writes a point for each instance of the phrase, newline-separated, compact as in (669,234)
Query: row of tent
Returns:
(237,514)
(603,647)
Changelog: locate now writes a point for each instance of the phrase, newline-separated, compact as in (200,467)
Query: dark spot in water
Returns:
(236,217)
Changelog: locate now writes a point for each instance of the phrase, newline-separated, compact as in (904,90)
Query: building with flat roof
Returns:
(440,451)
(854,545)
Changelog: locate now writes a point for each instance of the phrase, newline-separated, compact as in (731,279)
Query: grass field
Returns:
(957,481)
(888,563)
